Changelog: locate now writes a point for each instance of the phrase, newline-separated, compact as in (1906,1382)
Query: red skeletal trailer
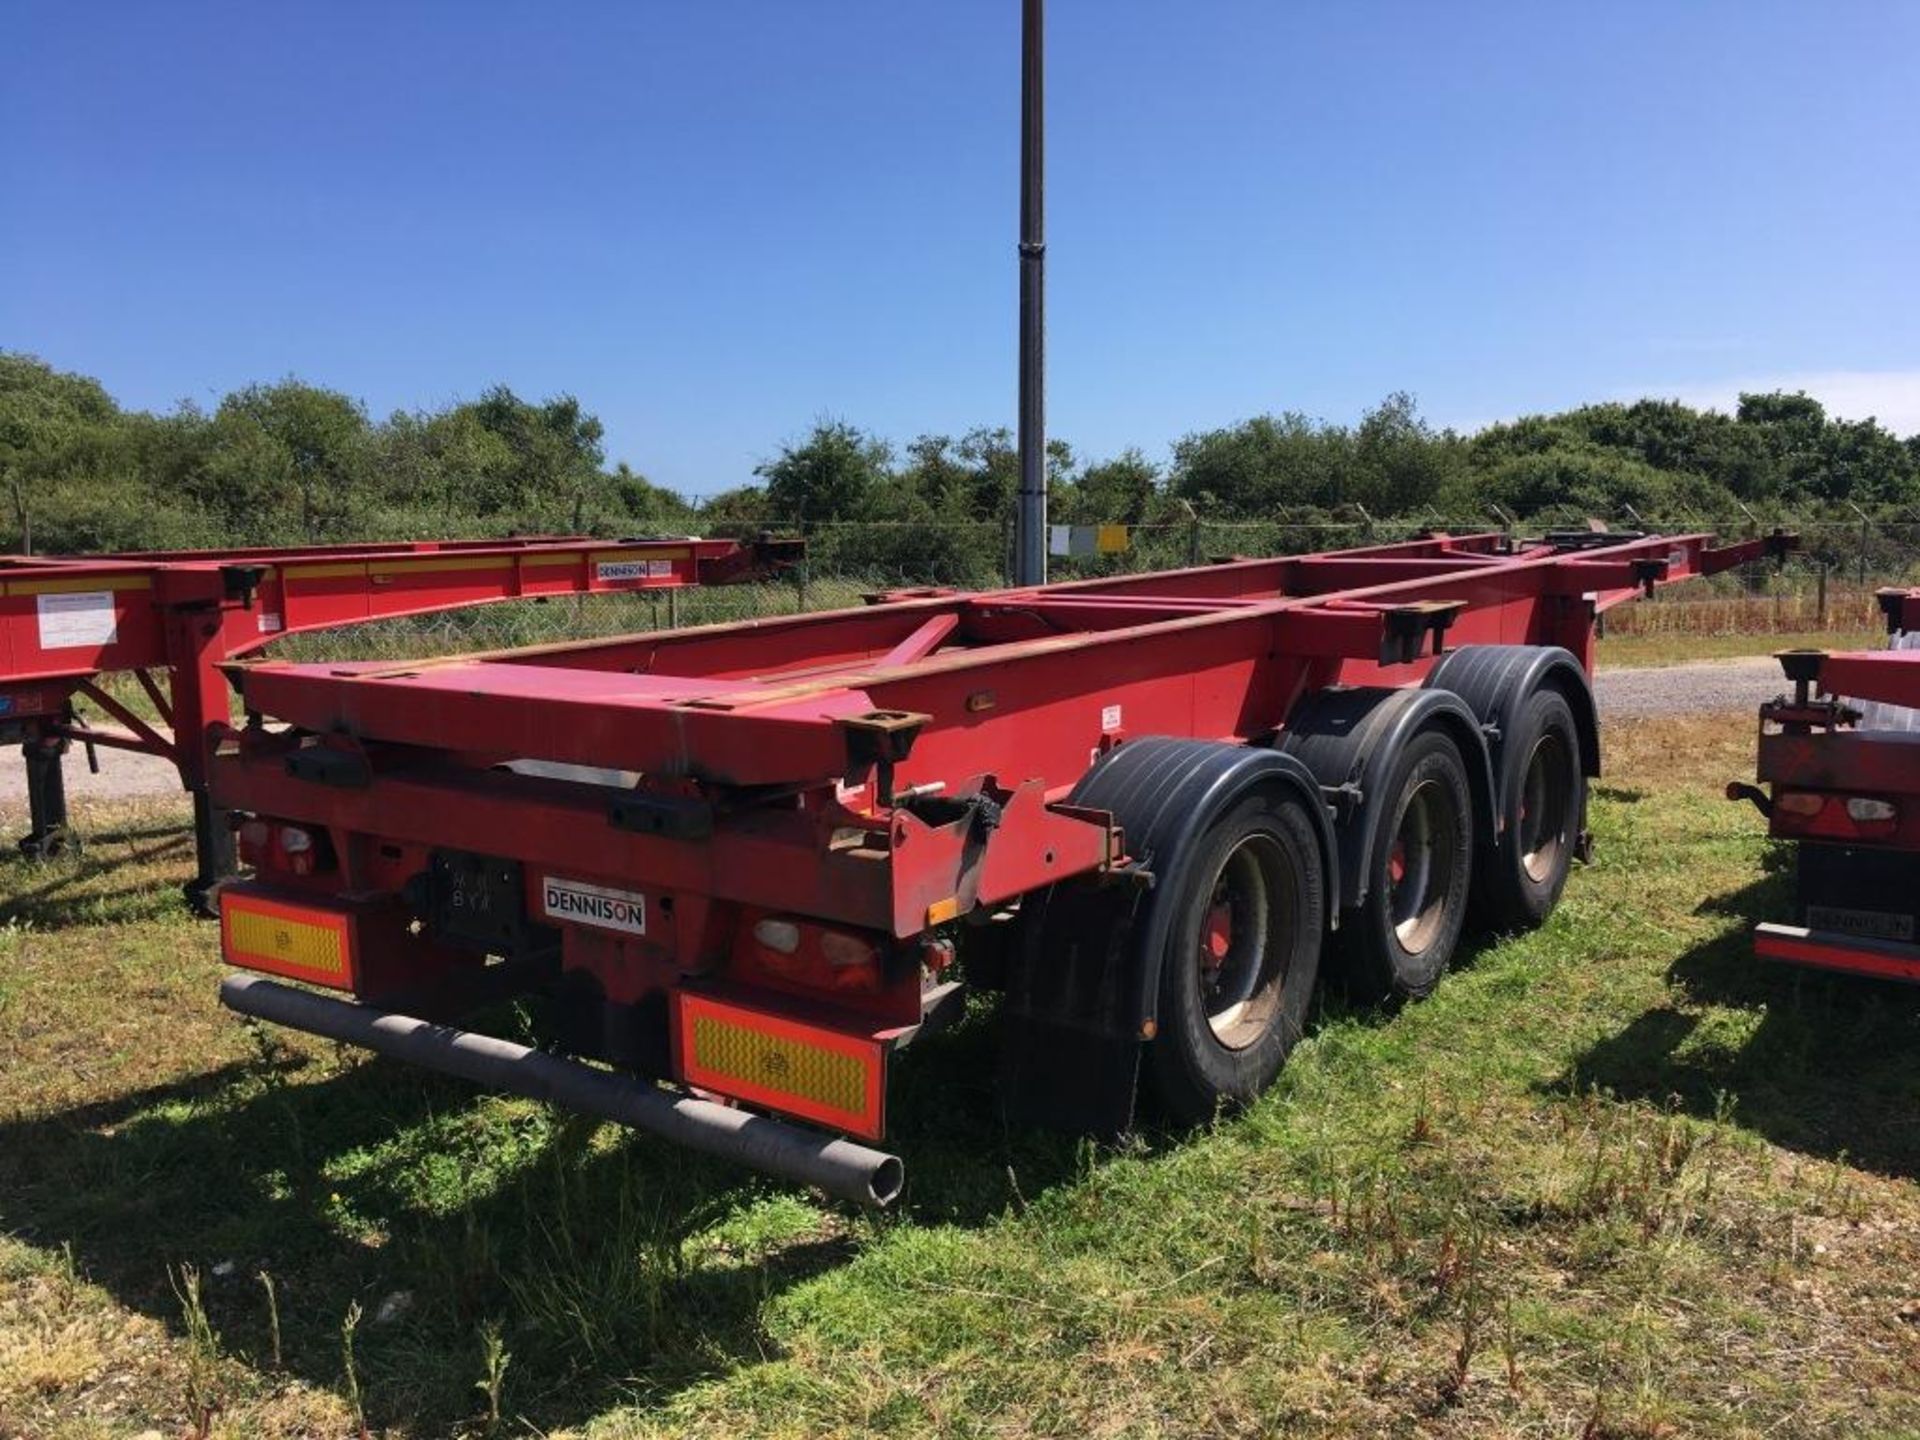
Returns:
(740,858)
(171,618)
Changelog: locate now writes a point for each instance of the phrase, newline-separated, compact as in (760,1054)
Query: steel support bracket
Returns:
(1404,629)
(327,765)
(672,817)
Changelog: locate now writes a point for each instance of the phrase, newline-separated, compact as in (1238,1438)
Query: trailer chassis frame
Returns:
(665,812)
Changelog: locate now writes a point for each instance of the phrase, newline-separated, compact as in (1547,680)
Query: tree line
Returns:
(292,462)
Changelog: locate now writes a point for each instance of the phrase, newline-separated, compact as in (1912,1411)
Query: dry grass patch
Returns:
(1614,1180)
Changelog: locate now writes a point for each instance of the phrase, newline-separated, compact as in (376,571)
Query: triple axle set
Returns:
(747,865)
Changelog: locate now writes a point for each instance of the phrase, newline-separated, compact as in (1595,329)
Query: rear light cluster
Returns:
(815,956)
(292,849)
(1841,817)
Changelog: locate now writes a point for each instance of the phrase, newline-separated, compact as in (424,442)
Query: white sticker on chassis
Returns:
(596,905)
(72,620)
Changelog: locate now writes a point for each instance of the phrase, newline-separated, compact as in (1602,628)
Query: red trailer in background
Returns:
(1841,760)
(171,618)
(737,861)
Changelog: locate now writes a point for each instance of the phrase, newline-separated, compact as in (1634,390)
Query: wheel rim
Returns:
(1544,789)
(1420,865)
(1241,941)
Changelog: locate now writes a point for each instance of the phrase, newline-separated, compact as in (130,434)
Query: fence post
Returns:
(1193,541)
(1820,589)
(673,608)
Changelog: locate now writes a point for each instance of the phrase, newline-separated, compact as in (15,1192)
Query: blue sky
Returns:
(715,222)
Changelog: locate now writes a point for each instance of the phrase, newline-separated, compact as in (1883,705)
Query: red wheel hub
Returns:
(1217,934)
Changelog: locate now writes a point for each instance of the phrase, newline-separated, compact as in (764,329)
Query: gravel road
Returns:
(122,776)
(1701,688)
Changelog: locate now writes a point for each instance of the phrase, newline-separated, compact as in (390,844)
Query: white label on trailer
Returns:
(76,618)
(270,623)
(596,905)
(609,570)
(1109,719)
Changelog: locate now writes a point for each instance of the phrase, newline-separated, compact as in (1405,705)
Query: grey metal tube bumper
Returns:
(841,1167)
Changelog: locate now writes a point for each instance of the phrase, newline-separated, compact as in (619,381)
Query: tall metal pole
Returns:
(1030,541)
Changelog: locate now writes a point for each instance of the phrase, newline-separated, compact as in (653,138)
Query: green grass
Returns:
(1623,652)
(1614,1180)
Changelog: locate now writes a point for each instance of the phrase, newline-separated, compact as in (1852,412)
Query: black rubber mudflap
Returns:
(1861,890)
(1085,980)
(1495,680)
(1070,1057)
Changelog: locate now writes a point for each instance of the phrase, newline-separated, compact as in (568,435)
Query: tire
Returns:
(1400,939)
(1519,880)
(1242,958)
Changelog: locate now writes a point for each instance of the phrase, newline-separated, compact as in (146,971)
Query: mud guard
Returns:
(1083,988)
(1348,738)
(1493,680)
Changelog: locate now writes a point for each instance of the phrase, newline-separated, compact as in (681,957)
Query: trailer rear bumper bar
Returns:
(1830,950)
(842,1168)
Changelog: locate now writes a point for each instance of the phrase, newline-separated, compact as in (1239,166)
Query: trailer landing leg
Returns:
(47,834)
(213,844)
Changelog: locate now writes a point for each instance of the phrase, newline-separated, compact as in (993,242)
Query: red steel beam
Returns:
(1849,954)
(62,617)
(66,621)
(1890,676)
